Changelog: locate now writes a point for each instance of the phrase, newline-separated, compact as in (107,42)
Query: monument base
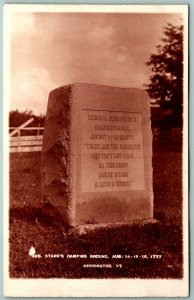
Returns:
(91,228)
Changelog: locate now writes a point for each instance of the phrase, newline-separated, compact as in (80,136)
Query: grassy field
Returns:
(136,244)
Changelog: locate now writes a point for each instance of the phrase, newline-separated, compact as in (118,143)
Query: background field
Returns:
(29,227)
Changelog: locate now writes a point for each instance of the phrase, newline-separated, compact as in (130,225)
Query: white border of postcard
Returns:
(92,287)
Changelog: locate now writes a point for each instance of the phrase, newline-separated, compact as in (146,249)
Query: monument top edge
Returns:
(84,85)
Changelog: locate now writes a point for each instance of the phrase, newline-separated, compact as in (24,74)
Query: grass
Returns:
(28,227)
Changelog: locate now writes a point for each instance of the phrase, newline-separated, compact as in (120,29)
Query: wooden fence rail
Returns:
(25,143)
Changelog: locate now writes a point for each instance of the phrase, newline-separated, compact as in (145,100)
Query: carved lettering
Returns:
(112,149)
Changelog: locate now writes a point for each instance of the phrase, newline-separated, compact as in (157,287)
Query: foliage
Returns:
(166,83)
(17,118)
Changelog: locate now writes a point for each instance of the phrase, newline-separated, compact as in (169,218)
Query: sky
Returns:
(49,50)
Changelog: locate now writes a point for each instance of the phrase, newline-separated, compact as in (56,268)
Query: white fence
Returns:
(29,143)
(25,143)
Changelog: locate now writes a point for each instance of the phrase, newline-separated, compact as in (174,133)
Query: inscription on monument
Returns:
(112,151)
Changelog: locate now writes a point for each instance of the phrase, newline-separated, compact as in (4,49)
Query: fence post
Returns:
(38,131)
(19,135)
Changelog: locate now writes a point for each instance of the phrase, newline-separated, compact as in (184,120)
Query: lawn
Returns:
(146,251)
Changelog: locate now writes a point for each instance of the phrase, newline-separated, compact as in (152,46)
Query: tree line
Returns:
(166,81)
(17,118)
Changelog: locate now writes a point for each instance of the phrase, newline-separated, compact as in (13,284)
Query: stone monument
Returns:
(97,155)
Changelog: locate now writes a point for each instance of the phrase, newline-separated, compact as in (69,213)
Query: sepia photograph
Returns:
(95,150)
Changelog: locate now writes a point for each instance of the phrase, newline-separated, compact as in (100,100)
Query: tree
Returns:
(166,84)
